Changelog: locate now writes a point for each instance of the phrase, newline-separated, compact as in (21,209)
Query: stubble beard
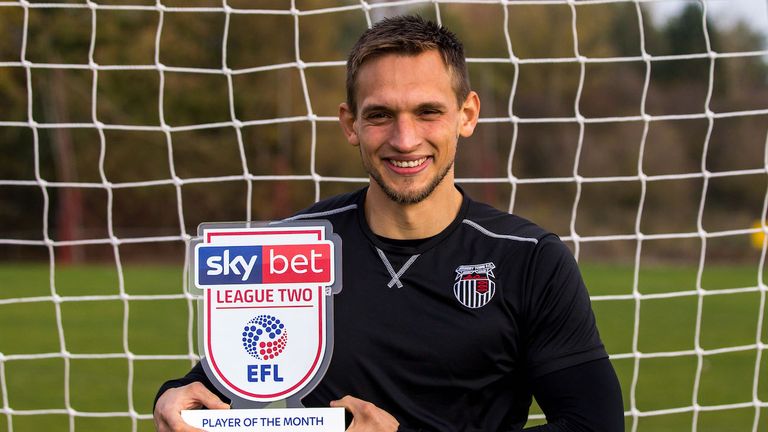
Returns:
(413,197)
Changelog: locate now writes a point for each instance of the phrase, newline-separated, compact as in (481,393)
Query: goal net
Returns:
(637,130)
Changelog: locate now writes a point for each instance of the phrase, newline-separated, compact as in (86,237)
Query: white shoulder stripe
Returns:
(500,236)
(320,214)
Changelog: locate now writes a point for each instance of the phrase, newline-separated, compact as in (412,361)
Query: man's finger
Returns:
(352,404)
(206,398)
(193,396)
(366,416)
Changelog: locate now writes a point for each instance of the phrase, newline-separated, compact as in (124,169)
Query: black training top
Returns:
(449,333)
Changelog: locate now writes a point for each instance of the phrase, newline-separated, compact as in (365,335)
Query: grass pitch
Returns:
(103,388)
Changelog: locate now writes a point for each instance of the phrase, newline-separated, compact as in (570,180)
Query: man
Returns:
(453,314)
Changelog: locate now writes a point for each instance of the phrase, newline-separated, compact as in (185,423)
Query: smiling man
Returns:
(407,124)
(453,314)
(406,119)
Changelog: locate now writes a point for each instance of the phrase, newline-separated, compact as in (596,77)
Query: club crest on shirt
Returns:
(475,285)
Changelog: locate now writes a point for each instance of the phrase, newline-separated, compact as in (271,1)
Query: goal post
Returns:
(634,129)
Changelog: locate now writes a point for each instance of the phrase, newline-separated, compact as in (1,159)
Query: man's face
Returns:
(408,123)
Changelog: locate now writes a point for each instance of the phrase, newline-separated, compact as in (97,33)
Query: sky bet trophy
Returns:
(266,322)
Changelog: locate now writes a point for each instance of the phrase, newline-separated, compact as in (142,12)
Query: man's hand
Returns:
(168,409)
(367,417)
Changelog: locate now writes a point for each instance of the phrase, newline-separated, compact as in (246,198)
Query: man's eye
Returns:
(377,116)
(431,113)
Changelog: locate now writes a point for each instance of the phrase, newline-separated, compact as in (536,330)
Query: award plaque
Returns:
(266,321)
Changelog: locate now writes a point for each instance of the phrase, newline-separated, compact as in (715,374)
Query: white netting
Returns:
(514,178)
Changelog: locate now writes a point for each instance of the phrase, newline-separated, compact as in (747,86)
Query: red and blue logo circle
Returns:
(264,337)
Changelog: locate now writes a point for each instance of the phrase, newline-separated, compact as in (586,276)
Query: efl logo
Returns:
(265,337)
(264,264)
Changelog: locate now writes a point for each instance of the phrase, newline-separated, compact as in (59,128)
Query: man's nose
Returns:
(406,135)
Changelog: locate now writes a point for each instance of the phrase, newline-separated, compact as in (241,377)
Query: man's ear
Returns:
(347,122)
(470,113)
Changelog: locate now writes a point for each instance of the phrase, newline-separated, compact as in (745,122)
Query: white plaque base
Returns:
(267,420)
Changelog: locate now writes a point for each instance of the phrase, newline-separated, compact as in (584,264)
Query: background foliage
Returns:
(544,90)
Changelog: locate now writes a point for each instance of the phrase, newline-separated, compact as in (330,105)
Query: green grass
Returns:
(669,325)
(156,327)
(159,327)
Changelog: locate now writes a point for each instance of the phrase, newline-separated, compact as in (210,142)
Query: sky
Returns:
(724,12)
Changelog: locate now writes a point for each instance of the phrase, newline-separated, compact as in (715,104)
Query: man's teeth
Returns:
(408,164)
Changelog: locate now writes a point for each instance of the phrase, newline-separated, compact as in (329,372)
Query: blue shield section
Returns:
(228,265)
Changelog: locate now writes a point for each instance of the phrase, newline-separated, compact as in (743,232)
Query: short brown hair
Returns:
(408,35)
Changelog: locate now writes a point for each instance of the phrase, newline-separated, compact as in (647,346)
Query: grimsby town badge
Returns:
(475,285)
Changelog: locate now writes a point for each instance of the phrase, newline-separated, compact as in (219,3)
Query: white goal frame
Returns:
(372,11)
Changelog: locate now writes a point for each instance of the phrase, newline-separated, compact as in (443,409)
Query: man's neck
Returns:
(412,221)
